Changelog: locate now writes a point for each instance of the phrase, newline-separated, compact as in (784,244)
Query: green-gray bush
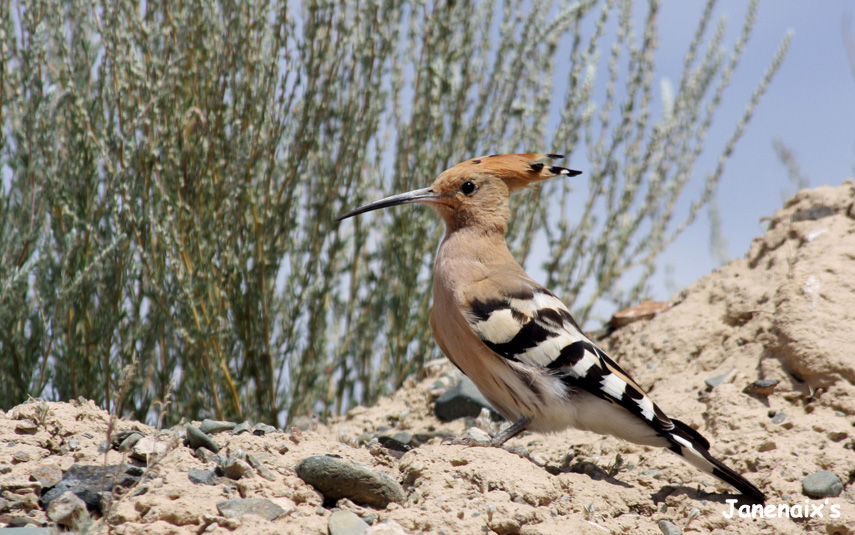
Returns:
(171,172)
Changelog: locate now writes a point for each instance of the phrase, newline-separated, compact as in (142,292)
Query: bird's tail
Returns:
(689,444)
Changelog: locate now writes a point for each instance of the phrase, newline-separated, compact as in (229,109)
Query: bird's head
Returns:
(475,193)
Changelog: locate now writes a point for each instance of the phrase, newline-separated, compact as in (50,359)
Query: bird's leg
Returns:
(512,431)
(499,440)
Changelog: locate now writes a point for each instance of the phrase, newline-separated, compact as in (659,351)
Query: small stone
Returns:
(336,479)
(27,523)
(26,427)
(66,509)
(779,418)
(822,484)
(650,473)
(20,456)
(242,427)
(250,506)
(403,437)
(5,468)
(202,477)
(837,436)
(91,483)
(127,444)
(210,427)
(207,456)
(761,387)
(346,523)
(48,475)
(148,447)
(197,439)
(236,468)
(711,383)
(768,445)
(669,528)
(262,470)
(261,429)
(462,400)
(473,433)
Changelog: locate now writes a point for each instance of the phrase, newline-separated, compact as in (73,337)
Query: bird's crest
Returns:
(518,171)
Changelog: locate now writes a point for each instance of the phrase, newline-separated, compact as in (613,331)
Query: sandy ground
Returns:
(785,312)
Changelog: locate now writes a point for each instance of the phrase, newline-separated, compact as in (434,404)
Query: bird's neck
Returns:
(469,254)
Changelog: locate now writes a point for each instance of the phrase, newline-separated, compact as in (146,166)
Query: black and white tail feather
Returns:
(537,337)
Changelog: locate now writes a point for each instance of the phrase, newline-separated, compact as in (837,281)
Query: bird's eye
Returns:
(468,187)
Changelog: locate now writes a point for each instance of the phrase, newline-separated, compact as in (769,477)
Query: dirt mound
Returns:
(784,316)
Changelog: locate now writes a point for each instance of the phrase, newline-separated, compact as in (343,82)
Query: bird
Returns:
(514,338)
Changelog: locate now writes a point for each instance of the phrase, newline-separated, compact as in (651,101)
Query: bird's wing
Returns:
(524,322)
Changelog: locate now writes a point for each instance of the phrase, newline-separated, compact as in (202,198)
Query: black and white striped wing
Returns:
(533,327)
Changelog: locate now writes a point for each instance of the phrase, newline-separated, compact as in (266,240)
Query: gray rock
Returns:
(762,387)
(48,475)
(822,484)
(262,470)
(711,383)
(93,483)
(236,468)
(202,477)
(669,528)
(336,479)
(462,400)
(261,429)
(250,506)
(198,439)
(779,418)
(346,523)
(5,468)
(243,427)
(26,427)
(210,427)
(207,456)
(66,509)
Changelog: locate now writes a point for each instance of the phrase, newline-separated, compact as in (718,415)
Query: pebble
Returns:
(242,427)
(196,438)
(209,427)
(48,475)
(479,435)
(462,400)
(346,523)
(26,427)
(235,468)
(714,381)
(669,528)
(768,445)
(202,477)
(91,483)
(5,468)
(761,387)
(256,506)
(207,456)
(779,418)
(822,484)
(261,429)
(66,509)
(262,470)
(147,447)
(20,456)
(336,479)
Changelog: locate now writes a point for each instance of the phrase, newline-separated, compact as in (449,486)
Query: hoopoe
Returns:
(515,339)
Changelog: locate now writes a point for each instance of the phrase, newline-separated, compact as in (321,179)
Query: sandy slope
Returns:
(785,312)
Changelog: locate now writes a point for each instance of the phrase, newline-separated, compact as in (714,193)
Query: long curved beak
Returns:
(425,195)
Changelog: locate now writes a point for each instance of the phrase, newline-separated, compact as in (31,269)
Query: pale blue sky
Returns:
(810,106)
